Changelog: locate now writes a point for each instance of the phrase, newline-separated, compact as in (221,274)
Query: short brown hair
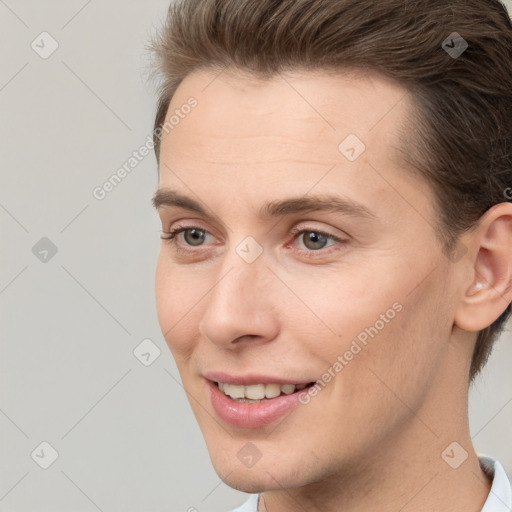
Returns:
(461,130)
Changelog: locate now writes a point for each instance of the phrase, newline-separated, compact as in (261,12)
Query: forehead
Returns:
(301,116)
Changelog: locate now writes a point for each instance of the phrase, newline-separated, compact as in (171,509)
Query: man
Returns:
(336,262)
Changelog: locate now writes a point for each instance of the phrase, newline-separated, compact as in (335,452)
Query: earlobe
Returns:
(490,291)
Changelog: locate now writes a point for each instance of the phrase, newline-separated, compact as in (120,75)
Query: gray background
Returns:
(124,432)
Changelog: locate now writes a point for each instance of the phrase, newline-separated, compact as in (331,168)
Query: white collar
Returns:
(500,495)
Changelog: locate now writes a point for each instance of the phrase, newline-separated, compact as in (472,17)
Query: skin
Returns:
(375,433)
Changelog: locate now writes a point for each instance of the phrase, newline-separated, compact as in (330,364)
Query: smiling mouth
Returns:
(256,393)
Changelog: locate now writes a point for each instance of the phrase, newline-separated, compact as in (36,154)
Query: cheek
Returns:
(371,323)
(400,362)
(347,307)
(177,301)
(164,295)
(393,365)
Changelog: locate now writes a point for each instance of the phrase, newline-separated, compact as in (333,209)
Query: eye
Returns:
(313,239)
(197,235)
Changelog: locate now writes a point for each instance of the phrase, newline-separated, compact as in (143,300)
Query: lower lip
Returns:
(251,415)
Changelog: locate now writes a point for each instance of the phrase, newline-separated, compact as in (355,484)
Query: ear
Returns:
(490,290)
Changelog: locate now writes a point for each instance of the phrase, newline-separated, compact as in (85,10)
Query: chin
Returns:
(251,481)
(264,475)
(248,484)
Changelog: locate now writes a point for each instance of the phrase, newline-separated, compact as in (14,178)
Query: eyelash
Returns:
(171,239)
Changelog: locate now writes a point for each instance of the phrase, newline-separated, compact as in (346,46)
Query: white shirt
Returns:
(499,499)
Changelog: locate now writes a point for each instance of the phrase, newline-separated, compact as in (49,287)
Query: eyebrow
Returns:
(276,208)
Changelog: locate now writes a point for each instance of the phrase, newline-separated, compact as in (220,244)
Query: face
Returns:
(357,298)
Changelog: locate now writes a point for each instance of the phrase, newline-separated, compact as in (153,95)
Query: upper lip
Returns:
(251,378)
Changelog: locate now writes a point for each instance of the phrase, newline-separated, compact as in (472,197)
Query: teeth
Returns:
(235,391)
(257,392)
(271,390)
(288,389)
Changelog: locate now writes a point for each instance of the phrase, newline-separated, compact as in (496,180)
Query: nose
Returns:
(242,305)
